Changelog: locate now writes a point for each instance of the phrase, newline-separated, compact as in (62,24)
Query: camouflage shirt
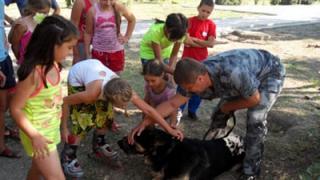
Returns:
(239,73)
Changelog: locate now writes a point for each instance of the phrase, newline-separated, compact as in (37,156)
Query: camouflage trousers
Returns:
(269,90)
(257,124)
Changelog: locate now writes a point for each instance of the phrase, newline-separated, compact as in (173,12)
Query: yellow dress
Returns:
(43,110)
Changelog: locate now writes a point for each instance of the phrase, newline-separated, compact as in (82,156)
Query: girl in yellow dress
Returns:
(36,106)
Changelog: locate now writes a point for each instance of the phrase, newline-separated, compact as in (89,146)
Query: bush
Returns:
(228,2)
(306,2)
(288,2)
(275,2)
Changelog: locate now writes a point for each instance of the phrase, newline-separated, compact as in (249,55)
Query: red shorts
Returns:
(114,61)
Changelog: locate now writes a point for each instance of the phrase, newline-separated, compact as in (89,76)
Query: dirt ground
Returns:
(293,138)
(291,148)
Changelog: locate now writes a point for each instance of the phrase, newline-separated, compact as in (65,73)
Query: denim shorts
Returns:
(7,69)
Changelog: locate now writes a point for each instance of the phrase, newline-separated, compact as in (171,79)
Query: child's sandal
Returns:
(9,153)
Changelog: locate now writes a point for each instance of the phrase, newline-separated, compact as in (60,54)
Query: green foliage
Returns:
(228,2)
(288,2)
(307,2)
(291,2)
(275,2)
(69,3)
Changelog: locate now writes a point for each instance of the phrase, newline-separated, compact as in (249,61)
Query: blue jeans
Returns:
(193,104)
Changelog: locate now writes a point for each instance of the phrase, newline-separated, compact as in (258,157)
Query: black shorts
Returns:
(7,70)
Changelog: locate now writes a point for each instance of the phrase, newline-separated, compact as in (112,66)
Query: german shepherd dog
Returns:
(190,159)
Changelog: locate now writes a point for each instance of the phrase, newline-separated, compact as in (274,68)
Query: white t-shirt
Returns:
(84,72)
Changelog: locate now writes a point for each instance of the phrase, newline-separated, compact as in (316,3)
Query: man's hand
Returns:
(219,119)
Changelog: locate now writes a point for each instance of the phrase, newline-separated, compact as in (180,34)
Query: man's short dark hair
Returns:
(187,70)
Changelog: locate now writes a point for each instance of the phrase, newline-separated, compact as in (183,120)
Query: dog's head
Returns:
(148,141)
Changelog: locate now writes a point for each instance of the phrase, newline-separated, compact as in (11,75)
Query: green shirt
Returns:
(155,34)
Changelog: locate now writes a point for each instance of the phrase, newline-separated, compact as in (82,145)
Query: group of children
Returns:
(40,43)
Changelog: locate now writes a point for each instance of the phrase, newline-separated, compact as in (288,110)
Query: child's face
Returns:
(107,2)
(204,11)
(39,15)
(63,50)
(120,104)
(44,11)
(153,81)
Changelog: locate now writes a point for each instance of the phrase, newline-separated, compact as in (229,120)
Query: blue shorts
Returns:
(7,70)
(54,4)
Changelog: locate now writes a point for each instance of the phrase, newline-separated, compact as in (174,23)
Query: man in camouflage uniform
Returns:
(244,79)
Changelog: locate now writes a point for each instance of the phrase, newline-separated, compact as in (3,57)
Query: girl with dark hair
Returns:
(163,40)
(103,30)
(157,89)
(36,105)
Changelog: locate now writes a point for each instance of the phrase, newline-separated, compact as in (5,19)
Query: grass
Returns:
(149,11)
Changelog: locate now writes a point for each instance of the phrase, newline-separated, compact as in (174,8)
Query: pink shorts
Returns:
(114,61)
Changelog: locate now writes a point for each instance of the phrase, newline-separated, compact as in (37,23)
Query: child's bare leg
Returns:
(3,108)
(34,173)
(49,167)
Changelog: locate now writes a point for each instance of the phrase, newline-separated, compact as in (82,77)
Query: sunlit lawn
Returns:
(143,11)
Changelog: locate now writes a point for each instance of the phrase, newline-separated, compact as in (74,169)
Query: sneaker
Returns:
(192,116)
(179,116)
(247,177)
(72,168)
(105,151)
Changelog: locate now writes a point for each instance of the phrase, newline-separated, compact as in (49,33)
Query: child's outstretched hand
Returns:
(177,134)
(138,130)
(40,146)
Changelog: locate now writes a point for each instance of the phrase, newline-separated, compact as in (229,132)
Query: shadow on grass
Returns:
(297,32)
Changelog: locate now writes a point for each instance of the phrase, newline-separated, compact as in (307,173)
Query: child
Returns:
(93,90)
(7,81)
(21,4)
(103,29)
(201,35)
(163,39)
(157,89)
(78,17)
(22,29)
(36,105)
